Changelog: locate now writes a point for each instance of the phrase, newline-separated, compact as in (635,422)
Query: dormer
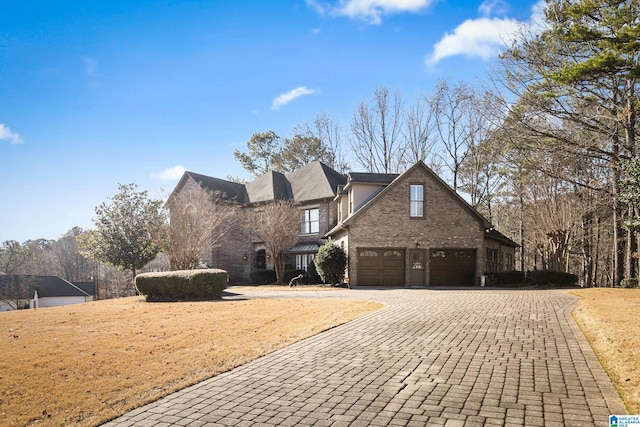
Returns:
(360,188)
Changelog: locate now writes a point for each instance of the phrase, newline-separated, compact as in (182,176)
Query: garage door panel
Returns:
(452,267)
(380,267)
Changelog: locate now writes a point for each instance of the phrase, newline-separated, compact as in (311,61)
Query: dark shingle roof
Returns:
(48,286)
(269,186)
(315,181)
(374,178)
(88,287)
(494,234)
(228,190)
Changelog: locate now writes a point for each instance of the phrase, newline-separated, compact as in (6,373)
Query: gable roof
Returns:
(379,178)
(314,181)
(226,190)
(47,286)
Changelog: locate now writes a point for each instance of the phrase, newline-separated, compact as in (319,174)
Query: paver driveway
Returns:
(430,358)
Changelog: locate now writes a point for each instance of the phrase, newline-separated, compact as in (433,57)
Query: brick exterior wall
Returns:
(448,223)
(386,223)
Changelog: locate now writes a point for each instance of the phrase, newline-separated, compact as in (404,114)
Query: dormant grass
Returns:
(610,319)
(85,364)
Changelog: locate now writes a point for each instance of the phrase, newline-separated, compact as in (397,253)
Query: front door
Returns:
(416,259)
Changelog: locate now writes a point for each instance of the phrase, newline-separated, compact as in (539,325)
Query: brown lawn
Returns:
(85,364)
(88,363)
(610,319)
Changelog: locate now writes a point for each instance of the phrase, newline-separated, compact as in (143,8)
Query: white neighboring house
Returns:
(47,291)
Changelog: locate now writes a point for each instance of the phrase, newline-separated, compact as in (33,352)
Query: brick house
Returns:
(413,230)
(408,230)
(313,189)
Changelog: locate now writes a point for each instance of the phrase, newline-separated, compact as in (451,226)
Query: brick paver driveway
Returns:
(430,358)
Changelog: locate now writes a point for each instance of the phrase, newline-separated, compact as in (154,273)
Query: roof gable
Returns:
(399,178)
(222,189)
(314,181)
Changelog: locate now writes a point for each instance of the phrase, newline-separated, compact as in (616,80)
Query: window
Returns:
(311,221)
(417,201)
(492,260)
(303,261)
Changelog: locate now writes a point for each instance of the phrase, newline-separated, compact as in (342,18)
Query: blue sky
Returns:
(96,93)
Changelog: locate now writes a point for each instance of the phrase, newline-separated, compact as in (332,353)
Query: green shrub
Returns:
(552,277)
(313,278)
(331,262)
(503,278)
(261,276)
(183,285)
(630,283)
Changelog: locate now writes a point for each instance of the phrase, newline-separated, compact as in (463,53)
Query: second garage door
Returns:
(452,267)
(380,267)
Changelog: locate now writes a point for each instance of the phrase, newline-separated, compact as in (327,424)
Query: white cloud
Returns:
(370,11)
(12,137)
(287,97)
(170,174)
(538,21)
(482,37)
(486,37)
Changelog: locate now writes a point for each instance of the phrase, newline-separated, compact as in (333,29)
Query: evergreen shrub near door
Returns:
(331,262)
(183,285)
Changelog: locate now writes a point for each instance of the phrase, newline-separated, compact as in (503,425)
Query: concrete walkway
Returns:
(430,358)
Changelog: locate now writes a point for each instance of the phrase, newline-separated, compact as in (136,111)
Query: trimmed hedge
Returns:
(502,278)
(183,285)
(536,277)
(552,277)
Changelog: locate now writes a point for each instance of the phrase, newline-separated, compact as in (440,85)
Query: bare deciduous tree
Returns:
(13,256)
(419,134)
(199,220)
(277,224)
(328,130)
(73,266)
(454,123)
(14,290)
(377,132)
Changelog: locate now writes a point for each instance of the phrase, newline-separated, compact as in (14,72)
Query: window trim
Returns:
(414,202)
(306,226)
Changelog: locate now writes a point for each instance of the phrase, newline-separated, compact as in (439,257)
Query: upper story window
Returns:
(416,205)
(311,221)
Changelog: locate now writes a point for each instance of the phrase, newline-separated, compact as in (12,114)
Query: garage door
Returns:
(452,267)
(380,267)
